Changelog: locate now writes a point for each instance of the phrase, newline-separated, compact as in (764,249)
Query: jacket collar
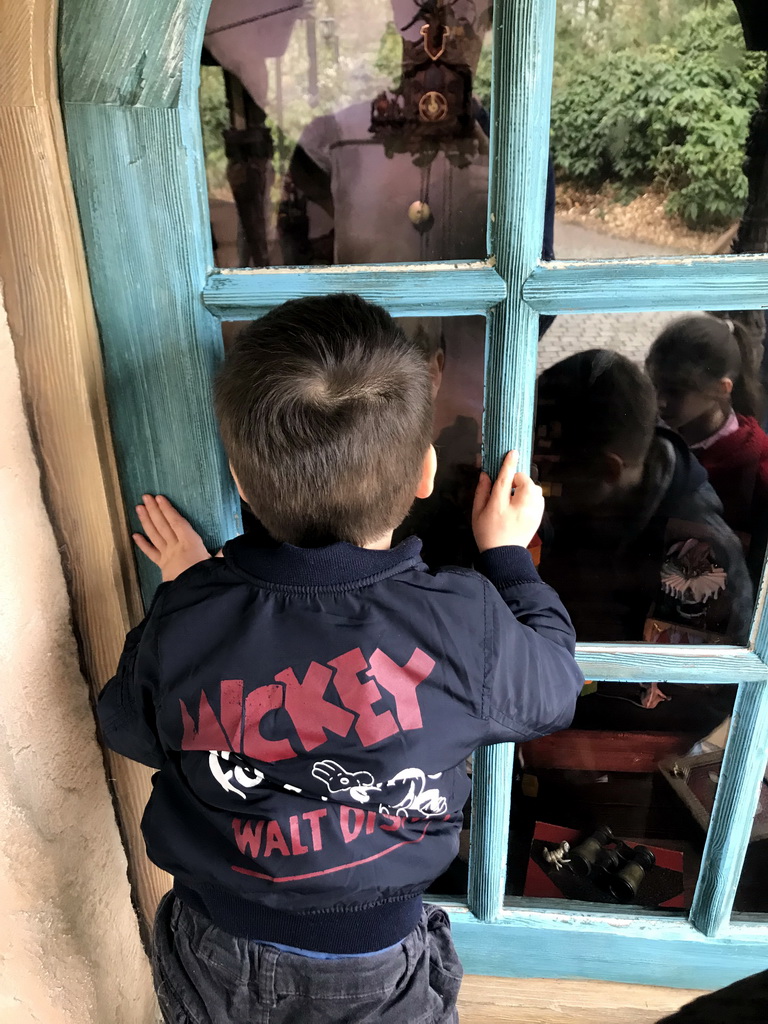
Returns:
(337,565)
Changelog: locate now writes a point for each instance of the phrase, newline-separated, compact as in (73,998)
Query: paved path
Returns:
(629,333)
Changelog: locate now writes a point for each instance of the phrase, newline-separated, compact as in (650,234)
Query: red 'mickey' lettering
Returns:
(237,727)
(360,697)
(351,832)
(248,836)
(207,734)
(258,703)
(313,817)
(402,683)
(310,713)
(231,703)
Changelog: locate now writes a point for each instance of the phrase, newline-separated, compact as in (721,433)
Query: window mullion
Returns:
(734,809)
(456,288)
(651,663)
(642,286)
(522,82)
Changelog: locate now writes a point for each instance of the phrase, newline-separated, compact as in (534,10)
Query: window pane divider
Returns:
(446,288)
(639,949)
(656,663)
(647,285)
(524,32)
(736,798)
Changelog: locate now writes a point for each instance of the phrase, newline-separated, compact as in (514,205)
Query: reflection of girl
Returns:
(708,393)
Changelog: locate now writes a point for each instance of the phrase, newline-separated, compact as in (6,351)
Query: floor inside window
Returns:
(487,1000)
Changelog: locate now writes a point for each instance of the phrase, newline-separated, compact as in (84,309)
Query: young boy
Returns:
(630,509)
(309,702)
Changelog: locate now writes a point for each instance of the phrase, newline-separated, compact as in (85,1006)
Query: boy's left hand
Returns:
(171,543)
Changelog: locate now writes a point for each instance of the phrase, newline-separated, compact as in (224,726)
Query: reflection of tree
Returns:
(752,234)
(214,121)
(672,114)
(753,231)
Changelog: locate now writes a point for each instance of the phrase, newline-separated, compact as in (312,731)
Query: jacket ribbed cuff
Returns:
(508,566)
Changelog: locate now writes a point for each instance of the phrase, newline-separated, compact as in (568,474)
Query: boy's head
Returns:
(595,419)
(325,411)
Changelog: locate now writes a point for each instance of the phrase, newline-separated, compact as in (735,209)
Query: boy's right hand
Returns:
(171,543)
(499,517)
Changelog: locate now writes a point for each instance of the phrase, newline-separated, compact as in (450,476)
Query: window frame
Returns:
(135,151)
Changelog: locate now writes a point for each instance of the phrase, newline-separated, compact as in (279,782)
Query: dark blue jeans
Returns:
(203,975)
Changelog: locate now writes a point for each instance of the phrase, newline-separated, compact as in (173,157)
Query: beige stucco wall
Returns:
(69,944)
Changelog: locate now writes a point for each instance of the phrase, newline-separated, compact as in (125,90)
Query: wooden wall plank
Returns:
(485,1000)
(57,349)
(641,286)
(522,85)
(421,289)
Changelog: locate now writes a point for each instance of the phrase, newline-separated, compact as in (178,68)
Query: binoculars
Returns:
(612,864)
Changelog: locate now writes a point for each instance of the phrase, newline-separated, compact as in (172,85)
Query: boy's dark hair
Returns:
(602,401)
(325,410)
(695,351)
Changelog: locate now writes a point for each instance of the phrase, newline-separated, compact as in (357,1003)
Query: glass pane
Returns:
(456,348)
(650,446)
(629,787)
(333,136)
(752,892)
(651,110)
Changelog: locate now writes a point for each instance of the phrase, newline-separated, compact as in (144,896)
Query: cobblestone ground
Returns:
(628,333)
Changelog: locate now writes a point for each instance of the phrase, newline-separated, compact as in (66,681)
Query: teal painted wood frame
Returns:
(639,286)
(423,289)
(558,943)
(133,136)
(521,87)
(128,83)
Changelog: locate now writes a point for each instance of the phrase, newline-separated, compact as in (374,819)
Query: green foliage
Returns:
(214,120)
(390,55)
(674,113)
(482,83)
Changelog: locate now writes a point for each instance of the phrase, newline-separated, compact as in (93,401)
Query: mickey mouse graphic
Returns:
(405,794)
(231,770)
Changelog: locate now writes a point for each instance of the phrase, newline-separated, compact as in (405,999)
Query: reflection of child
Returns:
(443,520)
(625,498)
(309,700)
(707,394)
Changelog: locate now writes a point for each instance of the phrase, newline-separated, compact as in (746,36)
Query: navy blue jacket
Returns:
(309,712)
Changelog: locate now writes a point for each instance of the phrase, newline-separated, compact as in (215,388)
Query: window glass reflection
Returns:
(334,135)
(455,347)
(655,462)
(751,894)
(654,109)
(616,809)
